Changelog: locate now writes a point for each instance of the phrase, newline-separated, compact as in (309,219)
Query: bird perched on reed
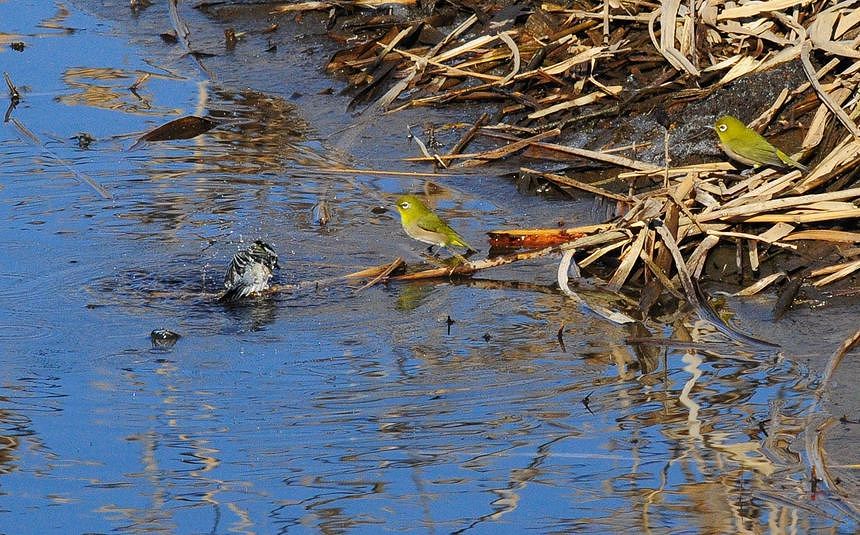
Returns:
(747,146)
(422,224)
(249,271)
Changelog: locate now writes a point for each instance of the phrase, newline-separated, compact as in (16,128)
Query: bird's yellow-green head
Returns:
(736,136)
(731,128)
(411,208)
(747,146)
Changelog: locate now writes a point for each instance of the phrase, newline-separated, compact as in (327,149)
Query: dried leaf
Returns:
(776,232)
(815,133)
(777,204)
(629,260)
(183,128)
(760,285)
(843,117)
(562,275)
(844,156)
(753,8)
(823,27)
(844,271)
(584,100)
(515,51)
(668,13)
(825,235)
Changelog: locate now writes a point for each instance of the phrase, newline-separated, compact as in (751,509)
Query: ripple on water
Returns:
(34,288)
(24,318)
(12,287)
(24,329)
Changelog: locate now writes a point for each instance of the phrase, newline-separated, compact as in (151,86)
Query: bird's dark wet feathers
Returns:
(249,271)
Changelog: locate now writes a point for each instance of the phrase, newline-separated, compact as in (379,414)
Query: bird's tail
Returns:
(460,242)
(787,160)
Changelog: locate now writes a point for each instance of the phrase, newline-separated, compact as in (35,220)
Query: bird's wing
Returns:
(763,154)
(232,274)
(431,222)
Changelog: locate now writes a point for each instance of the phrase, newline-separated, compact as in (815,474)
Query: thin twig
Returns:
(469,135)
(468,268)
(398,262)
(14,95)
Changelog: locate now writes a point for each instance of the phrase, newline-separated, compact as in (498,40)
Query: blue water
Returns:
(324,410)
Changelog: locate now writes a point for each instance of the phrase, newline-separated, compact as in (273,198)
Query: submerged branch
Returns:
(34,140)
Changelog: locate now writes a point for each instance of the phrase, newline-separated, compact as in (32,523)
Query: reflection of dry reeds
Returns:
(816,434)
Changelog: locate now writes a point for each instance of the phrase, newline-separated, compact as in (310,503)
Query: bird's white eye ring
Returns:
(404,205)
(722,128)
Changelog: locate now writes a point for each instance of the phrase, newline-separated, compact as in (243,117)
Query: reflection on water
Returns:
(326,409)
(108,88)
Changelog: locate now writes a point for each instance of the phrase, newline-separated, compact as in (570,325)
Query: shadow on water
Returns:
(479,406)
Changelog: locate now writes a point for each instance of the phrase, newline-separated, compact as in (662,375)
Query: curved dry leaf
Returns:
(668,15)
(516,55)
(760,123)
(820,120)
(182,128)
(564,266)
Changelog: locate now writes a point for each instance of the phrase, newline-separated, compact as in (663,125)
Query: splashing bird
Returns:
(249,271)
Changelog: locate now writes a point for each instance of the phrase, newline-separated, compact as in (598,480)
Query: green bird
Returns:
(422,224)
(748,147)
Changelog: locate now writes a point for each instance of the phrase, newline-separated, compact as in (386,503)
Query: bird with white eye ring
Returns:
(747,146)
(422,224)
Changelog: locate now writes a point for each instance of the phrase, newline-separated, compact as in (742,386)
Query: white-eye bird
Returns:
(422,224)
(747,146)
